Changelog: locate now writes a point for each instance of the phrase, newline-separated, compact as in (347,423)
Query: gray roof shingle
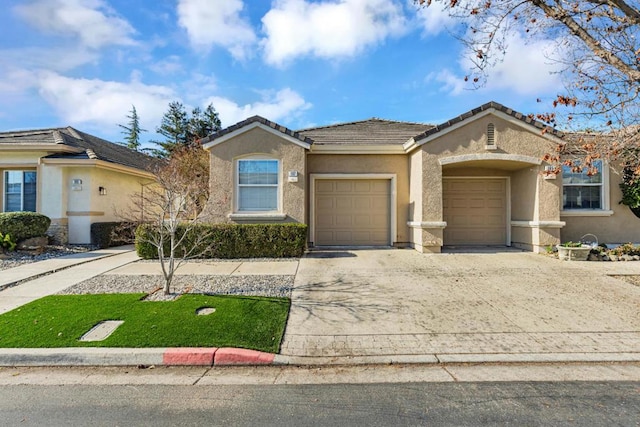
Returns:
(365,132)
(528,119)
(255,119)
(88,146)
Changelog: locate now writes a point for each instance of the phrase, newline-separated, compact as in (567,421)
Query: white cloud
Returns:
(274,106)
(92,21)
(525,70)
(328,29)
(435,18)
(451,82)
(101,102)
(169,65)
(217,22)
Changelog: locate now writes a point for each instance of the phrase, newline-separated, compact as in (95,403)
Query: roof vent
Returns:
(491,137)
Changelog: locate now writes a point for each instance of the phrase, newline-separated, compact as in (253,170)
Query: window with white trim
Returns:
(19,191)
(258,182)
(583,190)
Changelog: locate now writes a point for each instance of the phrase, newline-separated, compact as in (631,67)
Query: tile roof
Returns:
(255,119)
(528,119)
(370,131)
(375,131)
(88,146)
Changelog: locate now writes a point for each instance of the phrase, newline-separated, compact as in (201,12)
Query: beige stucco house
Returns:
(73,177)
(477,179)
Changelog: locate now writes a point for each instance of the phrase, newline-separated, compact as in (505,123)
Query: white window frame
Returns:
(237,208)
(604,210)
(5,183)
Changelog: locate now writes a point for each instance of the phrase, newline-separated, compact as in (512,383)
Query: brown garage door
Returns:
(475,211)
(352,212)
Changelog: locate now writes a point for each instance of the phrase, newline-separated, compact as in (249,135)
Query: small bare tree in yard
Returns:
(169,209)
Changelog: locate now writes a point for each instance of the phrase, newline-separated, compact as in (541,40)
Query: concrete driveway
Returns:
(401,302)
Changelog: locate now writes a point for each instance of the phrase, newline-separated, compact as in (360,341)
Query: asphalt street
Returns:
(411,404)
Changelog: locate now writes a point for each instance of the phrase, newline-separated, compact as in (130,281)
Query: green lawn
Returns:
(60,320)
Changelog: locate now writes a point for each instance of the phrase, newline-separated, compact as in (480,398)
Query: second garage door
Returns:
(475,211)
(352,212)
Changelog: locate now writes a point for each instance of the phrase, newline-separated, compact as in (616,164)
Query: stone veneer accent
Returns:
(58,231)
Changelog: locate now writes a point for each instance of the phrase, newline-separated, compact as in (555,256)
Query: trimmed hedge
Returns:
(108,234)
(23,225)
(233,240)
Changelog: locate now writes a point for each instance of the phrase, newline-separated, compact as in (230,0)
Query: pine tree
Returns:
(182,130)
(132,131)
(173,128)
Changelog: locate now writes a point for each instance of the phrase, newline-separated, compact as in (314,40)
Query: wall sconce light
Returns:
(292,176)
(102,191)
(76,184)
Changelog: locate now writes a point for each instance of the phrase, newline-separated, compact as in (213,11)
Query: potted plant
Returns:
(573,251)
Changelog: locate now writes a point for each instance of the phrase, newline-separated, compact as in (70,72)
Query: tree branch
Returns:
(563,16)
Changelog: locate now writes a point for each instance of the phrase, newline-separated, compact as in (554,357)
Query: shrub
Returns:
(6,243)
(234,240)
(571,244)
(107,234)
(626,249)
(23,225)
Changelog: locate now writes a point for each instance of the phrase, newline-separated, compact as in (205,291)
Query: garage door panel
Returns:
(380,187)
(362,203)
(343,186)
(457,202)
(324,187)
(358,214)
(495,203)
(324,203)
(475,211)
(477,203)
(343,221)
(362,187)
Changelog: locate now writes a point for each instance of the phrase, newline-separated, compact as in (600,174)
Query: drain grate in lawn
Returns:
(61,320)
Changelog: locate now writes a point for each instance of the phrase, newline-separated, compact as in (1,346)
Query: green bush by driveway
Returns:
(255,323)
(234,240)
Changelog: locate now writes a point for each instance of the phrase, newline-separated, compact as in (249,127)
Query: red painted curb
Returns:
(189,356)
(241,356)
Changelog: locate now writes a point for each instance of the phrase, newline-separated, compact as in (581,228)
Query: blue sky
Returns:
(300,63)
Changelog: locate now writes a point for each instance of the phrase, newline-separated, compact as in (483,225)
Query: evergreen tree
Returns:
(182,130)
(132,131)
(173,128)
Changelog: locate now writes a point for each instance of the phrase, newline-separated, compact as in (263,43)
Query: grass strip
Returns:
(60,320)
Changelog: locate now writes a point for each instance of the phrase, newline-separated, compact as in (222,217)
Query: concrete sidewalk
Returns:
(36,269)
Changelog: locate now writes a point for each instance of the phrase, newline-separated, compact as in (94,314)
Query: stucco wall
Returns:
(371,164)
(621,227)
(120,199)
(256,141)
(517,153)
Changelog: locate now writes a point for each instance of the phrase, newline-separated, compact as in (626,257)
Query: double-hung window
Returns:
(19,191)
(258,181)
(581,190)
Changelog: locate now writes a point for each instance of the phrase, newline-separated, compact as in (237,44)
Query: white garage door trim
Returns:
(393,228)
(507,195)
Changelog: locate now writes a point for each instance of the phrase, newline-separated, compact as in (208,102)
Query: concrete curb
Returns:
(95,356)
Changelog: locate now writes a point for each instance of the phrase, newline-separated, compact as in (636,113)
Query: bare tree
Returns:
(168,209)
(597,44)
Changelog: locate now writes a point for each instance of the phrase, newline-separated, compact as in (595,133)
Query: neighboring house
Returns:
(72,177)
(477,179)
